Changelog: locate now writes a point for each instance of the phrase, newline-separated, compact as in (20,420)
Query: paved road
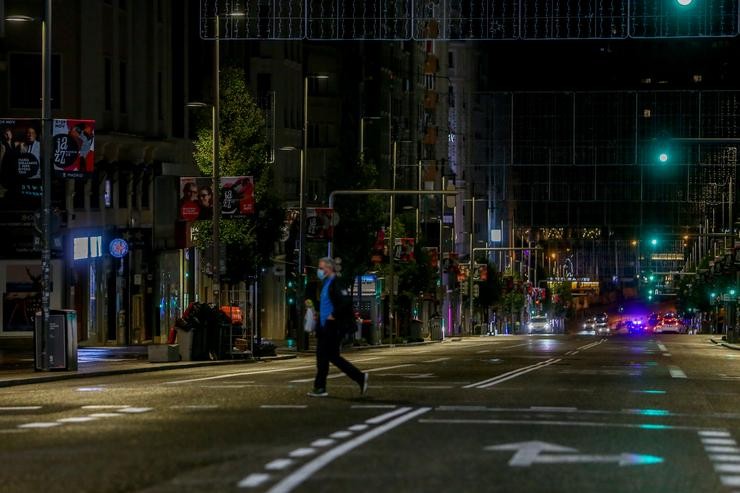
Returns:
(509,414)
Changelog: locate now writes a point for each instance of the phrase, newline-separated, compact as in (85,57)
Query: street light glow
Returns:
(684,3)
(663,157)
(20,18)
(654,241)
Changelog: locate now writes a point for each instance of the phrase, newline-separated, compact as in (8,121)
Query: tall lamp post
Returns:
(46,171)
(216,221)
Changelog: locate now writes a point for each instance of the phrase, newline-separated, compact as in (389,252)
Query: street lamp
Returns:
(46,171)
(216,221)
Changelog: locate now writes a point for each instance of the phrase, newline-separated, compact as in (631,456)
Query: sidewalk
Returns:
(16,368)
(717,340)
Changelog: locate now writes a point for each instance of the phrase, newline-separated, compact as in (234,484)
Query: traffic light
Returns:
(684,3)
(663,157)
(732,292)
(654,241)
(651,278)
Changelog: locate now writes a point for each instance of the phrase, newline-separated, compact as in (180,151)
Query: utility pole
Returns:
(216,221)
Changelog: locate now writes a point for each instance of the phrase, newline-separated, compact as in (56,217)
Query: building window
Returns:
(108,84)
(123,184)
(78,200)
(450,60)
(95,191)
(25,80)
(123,88)
(160,96)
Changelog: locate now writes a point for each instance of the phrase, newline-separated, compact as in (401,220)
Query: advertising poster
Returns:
(403,249)
(20,157)
(319,223)
(73,148)
(196,197)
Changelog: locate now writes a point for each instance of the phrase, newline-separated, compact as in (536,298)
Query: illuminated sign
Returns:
(85,247)
(118,248)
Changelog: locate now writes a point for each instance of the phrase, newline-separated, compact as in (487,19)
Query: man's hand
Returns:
(330,317)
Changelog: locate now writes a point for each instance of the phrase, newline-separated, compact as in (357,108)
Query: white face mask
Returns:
(321,274)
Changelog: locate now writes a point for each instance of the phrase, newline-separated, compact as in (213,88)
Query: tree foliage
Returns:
(243,148)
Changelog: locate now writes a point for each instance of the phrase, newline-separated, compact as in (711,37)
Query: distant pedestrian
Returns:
(309,321)
(335,321)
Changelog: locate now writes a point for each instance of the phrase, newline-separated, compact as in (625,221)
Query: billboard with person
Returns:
(196,197)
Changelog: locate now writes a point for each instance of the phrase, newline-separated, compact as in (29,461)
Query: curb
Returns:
(725,344)
(55,377)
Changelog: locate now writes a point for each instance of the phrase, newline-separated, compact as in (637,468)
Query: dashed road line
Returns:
(46,424)
(438,360)
(676,372)
(105,406)
(283,406)
(301,474)
(20,408)
(373,406)
(279,464)
(254,480)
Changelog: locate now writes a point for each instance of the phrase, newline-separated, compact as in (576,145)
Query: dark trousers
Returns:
(328,343)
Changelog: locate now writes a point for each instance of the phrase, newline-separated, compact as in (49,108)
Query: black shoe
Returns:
(363,385)
(318,393)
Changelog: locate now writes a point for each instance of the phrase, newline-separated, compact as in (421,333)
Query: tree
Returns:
(248,241)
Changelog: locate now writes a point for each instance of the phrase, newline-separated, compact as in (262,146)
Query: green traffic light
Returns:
(654,241)
(684,3)
(663,157)
(652,278)
(712,295)
(650,297)
(732,292)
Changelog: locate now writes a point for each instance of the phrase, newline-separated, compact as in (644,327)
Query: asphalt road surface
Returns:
(508,414)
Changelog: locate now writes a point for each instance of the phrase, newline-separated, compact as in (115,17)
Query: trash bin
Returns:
(185,343)
(57,350)
(436,329)
(415,329)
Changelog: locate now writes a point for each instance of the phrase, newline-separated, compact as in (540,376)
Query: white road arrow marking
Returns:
(528,453)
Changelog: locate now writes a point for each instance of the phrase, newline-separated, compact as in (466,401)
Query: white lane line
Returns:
(254,480)
(718,441)
(225,386)
(724,458)
(135,410)
(730,480)
(338,375)
(40,425)
(676,372)
(483,351)
(77,419)
(667,355)
(662,347)
(722,449)
(20,408)
(194,406)
(258,372)
(554,409)
(373,406)
(293,480)
(501,380)
(279,464)
(283,406)
(357,428)
(492,379)
(727,468)
(323,442)
(587,424)
(302,452)
(385,417)
(576,352)
(438,360)
(341,434)
(104,415)
(104,406)
(239,374)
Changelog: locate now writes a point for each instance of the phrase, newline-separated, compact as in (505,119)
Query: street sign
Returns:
(536,452)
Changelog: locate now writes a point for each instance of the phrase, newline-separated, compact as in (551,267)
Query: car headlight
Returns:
(547,326)
(530,326)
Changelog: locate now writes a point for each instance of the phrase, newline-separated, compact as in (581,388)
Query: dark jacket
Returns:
(342,303)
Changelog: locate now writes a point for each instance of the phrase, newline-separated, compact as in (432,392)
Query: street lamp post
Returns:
(46,171)
(216,196)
